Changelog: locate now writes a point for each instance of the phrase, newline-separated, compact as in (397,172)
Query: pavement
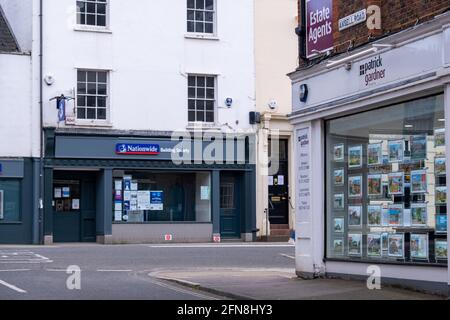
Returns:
(255,271)
(284,285)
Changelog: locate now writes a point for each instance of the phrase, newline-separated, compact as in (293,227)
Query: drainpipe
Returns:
(301,31)
(41,126)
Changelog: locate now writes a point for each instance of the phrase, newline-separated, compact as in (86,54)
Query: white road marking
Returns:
(15,270)
(56,270)
(8,285)
(287,256)
(22,256)
(223,246)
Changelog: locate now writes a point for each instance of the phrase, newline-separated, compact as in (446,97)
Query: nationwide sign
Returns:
(352,20)
(319,26)
(137,149)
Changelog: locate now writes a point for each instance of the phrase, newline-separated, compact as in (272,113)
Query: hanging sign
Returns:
(319,26)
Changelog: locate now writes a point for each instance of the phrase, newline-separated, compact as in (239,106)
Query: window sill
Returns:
(91,124)
(203,126)
(85,28)
(201,36)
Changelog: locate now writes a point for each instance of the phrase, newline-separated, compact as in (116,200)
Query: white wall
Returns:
(18,13)
(149,57)
(15,107)
(276,52)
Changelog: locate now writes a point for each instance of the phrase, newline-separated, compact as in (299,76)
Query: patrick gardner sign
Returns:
(137,149)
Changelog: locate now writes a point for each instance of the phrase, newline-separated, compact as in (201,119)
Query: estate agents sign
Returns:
(319,26)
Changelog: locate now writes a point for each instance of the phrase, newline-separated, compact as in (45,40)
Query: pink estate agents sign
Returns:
(319,26)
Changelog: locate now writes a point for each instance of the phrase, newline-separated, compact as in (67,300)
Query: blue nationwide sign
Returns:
(137,149)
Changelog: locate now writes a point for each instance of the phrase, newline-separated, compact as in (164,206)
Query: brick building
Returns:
(371,106)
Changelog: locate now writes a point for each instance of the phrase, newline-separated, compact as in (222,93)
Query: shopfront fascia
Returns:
(122,187)
(371,175)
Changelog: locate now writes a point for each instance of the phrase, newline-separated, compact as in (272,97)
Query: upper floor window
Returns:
(92,12)
(201,98)
(200,16)
(92,95)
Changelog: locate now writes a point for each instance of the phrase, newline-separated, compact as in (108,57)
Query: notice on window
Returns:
(58,193)
(117,215)
(118,195)
(127,195)
(66,192)
(204,193)
(270,180)
(143,200)
(118,184)
(156,200)
(75,204)
(134,185)
(118,206)
(281,180)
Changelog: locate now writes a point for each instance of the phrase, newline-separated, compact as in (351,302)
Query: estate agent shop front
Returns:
(122,187)
(371,160)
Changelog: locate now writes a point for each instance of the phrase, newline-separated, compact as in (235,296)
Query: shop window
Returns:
(9,200)
(145,196)
(386,184)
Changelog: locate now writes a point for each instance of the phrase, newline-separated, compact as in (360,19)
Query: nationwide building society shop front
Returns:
(140,187)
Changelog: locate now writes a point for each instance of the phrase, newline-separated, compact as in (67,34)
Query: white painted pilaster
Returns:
(310,199)
(447,153)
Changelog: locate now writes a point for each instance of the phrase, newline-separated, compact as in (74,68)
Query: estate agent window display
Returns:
(386,184)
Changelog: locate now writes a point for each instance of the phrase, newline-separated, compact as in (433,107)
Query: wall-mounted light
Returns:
(335,63)
(303,94)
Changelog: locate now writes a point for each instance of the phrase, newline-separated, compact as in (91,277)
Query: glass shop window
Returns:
(386,184)
(66,195)
(9,200)
(144,196)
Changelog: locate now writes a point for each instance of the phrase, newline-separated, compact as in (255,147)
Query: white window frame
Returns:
(94,122)
(203,35)
(94,28)
(203,123)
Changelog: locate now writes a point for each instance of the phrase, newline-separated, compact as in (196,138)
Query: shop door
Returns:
(279,189)
(230,218)
(74,208)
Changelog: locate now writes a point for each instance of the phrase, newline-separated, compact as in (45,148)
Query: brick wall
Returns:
(396,15)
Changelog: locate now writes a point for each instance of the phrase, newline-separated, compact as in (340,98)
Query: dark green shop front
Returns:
(98,185)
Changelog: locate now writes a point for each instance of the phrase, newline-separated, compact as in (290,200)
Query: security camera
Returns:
(229,102)
(49,79)
(273,105)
